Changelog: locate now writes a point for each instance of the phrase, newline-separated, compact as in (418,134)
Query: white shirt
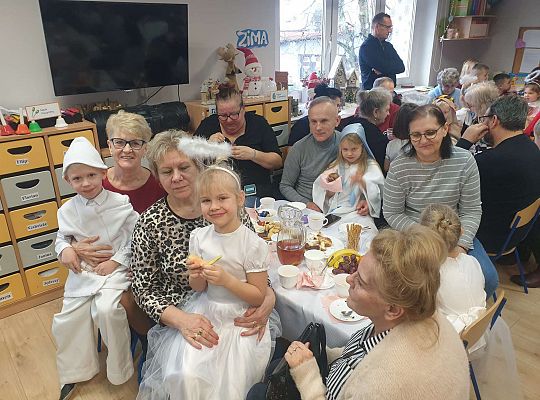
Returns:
(111,217)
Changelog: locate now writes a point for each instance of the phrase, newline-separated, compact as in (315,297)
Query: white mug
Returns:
(314,260)
(267,202)
(288,275)
(316,221)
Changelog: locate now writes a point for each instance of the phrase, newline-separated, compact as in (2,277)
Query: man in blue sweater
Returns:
(378,57)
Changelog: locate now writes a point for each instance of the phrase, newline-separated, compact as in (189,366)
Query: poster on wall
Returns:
(251,38)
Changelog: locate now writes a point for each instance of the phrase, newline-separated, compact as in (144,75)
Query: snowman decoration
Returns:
(254,84)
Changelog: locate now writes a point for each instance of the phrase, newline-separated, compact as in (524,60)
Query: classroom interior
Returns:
(27,348)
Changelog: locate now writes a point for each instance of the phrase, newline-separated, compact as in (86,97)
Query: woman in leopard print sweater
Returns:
(160,247)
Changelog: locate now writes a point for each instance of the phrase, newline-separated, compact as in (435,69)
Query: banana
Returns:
(337,257)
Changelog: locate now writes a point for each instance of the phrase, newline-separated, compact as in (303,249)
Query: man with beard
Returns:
(509,180)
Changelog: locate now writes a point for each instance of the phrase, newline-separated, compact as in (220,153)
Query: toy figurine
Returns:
(228,54)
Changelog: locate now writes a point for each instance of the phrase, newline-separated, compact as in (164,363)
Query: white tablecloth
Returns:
(298,307)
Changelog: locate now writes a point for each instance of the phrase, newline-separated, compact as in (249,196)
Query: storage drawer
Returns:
(11,289)
(277,112)
(46,277)
(8,261)
(26,189)
(37,250)
(282,134)
(35,219)
(4,233)
(22,155)
(255,108)
(60,143)
(64,187)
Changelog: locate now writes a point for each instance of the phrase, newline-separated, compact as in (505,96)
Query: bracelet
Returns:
(254,154)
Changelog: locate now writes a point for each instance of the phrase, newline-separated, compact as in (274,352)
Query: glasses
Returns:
(386,26)
(232,116)
(429,135)
(482,118)
(135,144)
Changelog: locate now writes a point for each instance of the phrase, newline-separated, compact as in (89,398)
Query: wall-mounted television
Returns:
(99,46)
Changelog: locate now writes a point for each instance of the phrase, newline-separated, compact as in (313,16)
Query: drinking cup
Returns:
(316,221)
(267,202)
(288,275)
(342,287)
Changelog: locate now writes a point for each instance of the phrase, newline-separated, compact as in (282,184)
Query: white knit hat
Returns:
(81,151)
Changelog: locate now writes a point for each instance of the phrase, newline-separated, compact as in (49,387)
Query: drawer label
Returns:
(44,255)
(22,161)
(49,282)
(39,225)
(6,297)
(30,196)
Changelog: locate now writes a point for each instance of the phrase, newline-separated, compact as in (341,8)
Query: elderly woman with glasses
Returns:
(447,84)
(433,171)
(255,152)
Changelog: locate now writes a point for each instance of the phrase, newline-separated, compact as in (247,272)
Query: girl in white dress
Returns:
(224,290)
(352,184)
(461,297)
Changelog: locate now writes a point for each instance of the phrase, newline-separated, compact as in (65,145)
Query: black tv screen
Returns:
(98,46)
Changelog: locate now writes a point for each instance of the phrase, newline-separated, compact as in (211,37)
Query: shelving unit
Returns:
(472,26)
(31,190)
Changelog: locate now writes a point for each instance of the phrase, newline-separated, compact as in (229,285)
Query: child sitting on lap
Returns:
(92,294)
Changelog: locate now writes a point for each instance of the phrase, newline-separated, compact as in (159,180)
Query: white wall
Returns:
(498,50)
(25,77)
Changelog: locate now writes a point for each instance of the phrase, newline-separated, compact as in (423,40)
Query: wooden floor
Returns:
(28,368)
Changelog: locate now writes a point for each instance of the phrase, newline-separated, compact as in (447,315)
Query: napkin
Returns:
(326,301)
(335,186)
(306,280)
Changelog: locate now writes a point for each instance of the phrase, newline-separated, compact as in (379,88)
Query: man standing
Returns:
(378,57)
(508,174)
(310,156)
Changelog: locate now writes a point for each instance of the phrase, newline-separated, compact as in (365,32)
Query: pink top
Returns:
(140,198)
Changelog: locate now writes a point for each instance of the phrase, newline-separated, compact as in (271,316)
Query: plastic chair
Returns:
(471,334)
(519,229)
(134,339)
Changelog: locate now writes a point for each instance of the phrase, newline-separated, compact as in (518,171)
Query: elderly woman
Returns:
(479,98)
(408,351)
(373,108)
(160,246)
(433,171)
(128,135)
(447,83)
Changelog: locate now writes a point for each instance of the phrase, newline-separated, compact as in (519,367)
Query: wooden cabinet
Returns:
(31,191)
(277,113)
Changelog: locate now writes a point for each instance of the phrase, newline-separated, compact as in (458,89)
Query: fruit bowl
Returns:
(344,261)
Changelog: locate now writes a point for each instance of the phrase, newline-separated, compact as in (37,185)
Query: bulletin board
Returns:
(527,54)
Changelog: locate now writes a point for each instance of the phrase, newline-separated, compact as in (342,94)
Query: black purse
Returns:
(280,384)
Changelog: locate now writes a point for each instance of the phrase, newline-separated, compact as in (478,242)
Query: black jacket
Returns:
(379,55)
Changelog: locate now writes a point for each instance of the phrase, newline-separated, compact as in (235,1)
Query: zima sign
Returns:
(252,38)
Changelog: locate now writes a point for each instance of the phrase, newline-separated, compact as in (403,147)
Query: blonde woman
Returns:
(409,351)
(448,107)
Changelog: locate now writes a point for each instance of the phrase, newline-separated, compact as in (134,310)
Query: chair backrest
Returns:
(471,334)
(521,225)
(526,215)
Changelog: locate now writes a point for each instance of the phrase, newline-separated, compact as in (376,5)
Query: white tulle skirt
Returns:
(176,370)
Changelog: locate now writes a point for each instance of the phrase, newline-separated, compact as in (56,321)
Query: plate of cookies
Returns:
(326,243)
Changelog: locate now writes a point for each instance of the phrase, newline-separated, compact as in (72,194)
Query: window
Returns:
(314,32)
(301,29)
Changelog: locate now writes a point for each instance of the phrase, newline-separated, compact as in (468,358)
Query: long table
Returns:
(298,307)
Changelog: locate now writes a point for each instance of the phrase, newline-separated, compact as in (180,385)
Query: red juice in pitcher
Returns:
(290,251)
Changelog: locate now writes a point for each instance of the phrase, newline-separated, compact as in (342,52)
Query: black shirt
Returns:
(299,130)
(376,140)
(509,182)
(259,136)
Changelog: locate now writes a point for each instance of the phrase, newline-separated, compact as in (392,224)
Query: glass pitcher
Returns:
(292,237)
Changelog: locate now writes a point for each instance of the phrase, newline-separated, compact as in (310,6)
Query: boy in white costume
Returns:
(92,294)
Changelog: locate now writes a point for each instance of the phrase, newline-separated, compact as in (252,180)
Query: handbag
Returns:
(280,384)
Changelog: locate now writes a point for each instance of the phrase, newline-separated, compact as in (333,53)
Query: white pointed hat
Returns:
(81,151)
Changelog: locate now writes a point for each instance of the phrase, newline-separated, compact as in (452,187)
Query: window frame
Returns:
(417,47)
